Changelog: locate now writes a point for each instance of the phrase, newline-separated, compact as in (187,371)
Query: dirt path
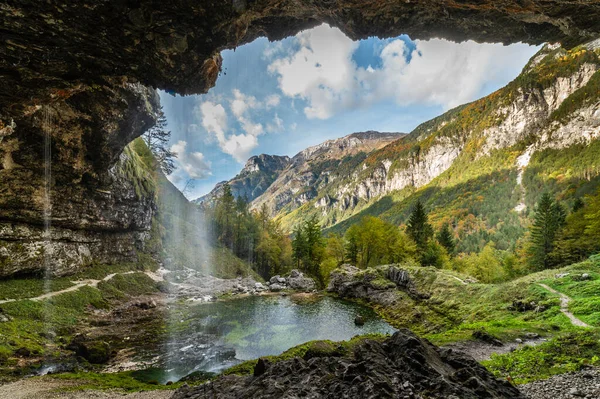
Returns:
(46,388)
(78,284)
(564,306)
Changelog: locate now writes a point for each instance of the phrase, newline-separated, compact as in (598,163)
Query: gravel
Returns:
(584,384)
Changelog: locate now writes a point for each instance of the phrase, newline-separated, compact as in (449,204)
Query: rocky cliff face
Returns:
(316,167)
(257,175)
(69,194)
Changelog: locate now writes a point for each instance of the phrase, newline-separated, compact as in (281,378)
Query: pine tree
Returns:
(225,217)
(157,140)
(444,237)
(299,246)
(418,227)
(577,205)
(549,218)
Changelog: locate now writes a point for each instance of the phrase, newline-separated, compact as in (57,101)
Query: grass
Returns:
(126,381)
(30,321)
(454,311)
(585,293)
(567,352)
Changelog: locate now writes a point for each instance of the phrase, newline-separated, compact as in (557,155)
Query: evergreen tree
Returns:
(549,218)
(225,212)
(157,140)
(418,227)
(444,237)
(299,246)
(577,205)
(352,246)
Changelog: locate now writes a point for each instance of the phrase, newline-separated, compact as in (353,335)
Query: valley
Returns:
(362,248)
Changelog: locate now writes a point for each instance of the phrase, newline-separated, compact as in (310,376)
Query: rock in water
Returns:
(359,320)
(402,366)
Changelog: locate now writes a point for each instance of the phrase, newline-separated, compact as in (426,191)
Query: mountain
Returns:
(257,175)
(480,167)
(316,167)
(284,177)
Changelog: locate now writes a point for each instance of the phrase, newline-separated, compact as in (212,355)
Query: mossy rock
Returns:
(323,349)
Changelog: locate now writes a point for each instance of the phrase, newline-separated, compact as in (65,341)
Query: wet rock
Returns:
(359,320)
(401,366)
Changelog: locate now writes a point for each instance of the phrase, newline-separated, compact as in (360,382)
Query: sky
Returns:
(281,97)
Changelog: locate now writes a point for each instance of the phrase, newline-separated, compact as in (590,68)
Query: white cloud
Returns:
(242,103)
(193,163)
(215,121)
(276,125)
(272,101)
(322,72)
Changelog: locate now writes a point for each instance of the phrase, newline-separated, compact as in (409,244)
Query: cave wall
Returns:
(78,71)
(100,203)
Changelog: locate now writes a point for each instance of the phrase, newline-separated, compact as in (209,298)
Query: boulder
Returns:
(402,366)
(298,281)
(359,320)
(274,279)
(276,287)
(95,352)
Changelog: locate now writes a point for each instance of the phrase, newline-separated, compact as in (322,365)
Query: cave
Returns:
(79,84)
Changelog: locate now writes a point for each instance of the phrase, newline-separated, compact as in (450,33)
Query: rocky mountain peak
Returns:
(265,162)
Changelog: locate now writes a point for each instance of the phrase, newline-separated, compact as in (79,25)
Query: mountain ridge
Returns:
(466,165)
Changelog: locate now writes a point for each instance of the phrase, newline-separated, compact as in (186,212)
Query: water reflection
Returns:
(213,336)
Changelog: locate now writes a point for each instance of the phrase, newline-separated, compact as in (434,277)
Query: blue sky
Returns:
(281,97)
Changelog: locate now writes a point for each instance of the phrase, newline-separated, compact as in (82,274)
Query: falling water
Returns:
(189,257)
(47,214)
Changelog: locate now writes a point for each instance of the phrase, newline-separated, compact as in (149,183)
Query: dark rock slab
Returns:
(403,366)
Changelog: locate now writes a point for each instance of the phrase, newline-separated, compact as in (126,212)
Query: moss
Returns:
(124,381)
(122,285)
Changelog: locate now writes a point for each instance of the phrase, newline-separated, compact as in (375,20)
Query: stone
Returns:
(274,279)
(486,337)
(298,281)
(276,287)
(95,352)
(402,365)
(359,320)
(532,335)
(261,367)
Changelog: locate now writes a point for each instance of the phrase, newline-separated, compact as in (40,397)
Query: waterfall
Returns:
(47,216)
(47,197)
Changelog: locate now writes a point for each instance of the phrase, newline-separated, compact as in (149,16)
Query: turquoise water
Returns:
(210,337)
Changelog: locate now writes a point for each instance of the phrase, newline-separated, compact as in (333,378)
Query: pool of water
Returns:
(210,337)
